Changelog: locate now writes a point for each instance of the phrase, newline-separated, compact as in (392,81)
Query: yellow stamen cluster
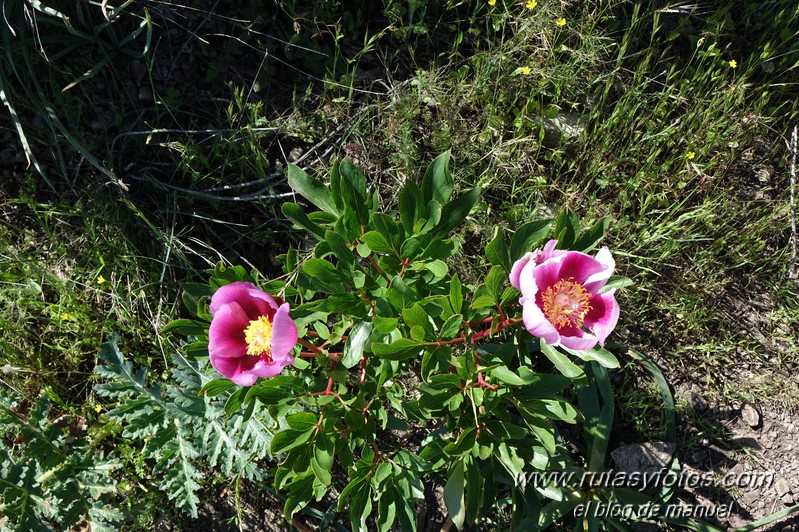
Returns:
(258,336)
(566,303)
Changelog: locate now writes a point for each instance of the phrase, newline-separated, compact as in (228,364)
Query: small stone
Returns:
(751,497)
(651,456)
(750,416)
(781,487)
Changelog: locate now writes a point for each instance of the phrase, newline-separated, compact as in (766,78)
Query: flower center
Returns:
(258,336)
(566,303)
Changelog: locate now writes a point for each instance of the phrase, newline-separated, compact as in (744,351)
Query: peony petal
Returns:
(537,324)
(579,267)
(262,369)
(550,251)
(598,280)
(516,270)
(603,316)
(284,332)
(226,333)
(579,341)
(271,303)
(253,301)
(576,338)
(545,275)
(231,368)
(528,283)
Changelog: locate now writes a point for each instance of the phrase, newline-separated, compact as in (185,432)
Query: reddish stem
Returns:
(481,383)
(376,266)
(305,343)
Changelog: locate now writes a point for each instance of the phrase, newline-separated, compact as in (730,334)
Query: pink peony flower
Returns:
(251,333)
(560,299)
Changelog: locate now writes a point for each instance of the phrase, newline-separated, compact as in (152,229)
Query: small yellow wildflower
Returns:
(65,316)
(690,155)
(733,63)
(531,4)
(98,408)
(101,279)
(560,21)
(526,71)
(492,2)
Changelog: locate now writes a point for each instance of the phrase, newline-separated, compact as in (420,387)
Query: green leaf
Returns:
(340,249)
(410,206)
(451,327)
(356,342)
(566,228)
(562,362)
(376,242)
(401,349)
(597,354)
(234,401)
(416,315)
(457,210)
(616,281)
(453,494)
(353,177)
(274,389)
(463,444)
(342,303)
(324,450)
(432,217)
(528,235)
(360,506)
(418,333)
(482,301)
(437,268)
(294,212)
(302,421)
(399,295)
(590,238)
(385,325)
(193,293)
(437,184)
(186,327)
(386,509)
(300,494)
(353,191)
(311,189)
(387,227)
(495,282)
(456,294)
(324,273)
(503,374)
(596,405)
(217,387)
(497,251)
(288,439)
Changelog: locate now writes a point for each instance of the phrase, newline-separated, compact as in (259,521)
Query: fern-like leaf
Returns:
(47,480)
(181,427)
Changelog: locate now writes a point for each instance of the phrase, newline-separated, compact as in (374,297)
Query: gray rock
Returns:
(644,457)
(750,415)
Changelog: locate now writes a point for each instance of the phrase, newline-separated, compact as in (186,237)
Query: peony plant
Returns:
(391,373)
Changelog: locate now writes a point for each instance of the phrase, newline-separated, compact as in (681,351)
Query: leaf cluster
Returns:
(408,373)
(181,427)
(52,478)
